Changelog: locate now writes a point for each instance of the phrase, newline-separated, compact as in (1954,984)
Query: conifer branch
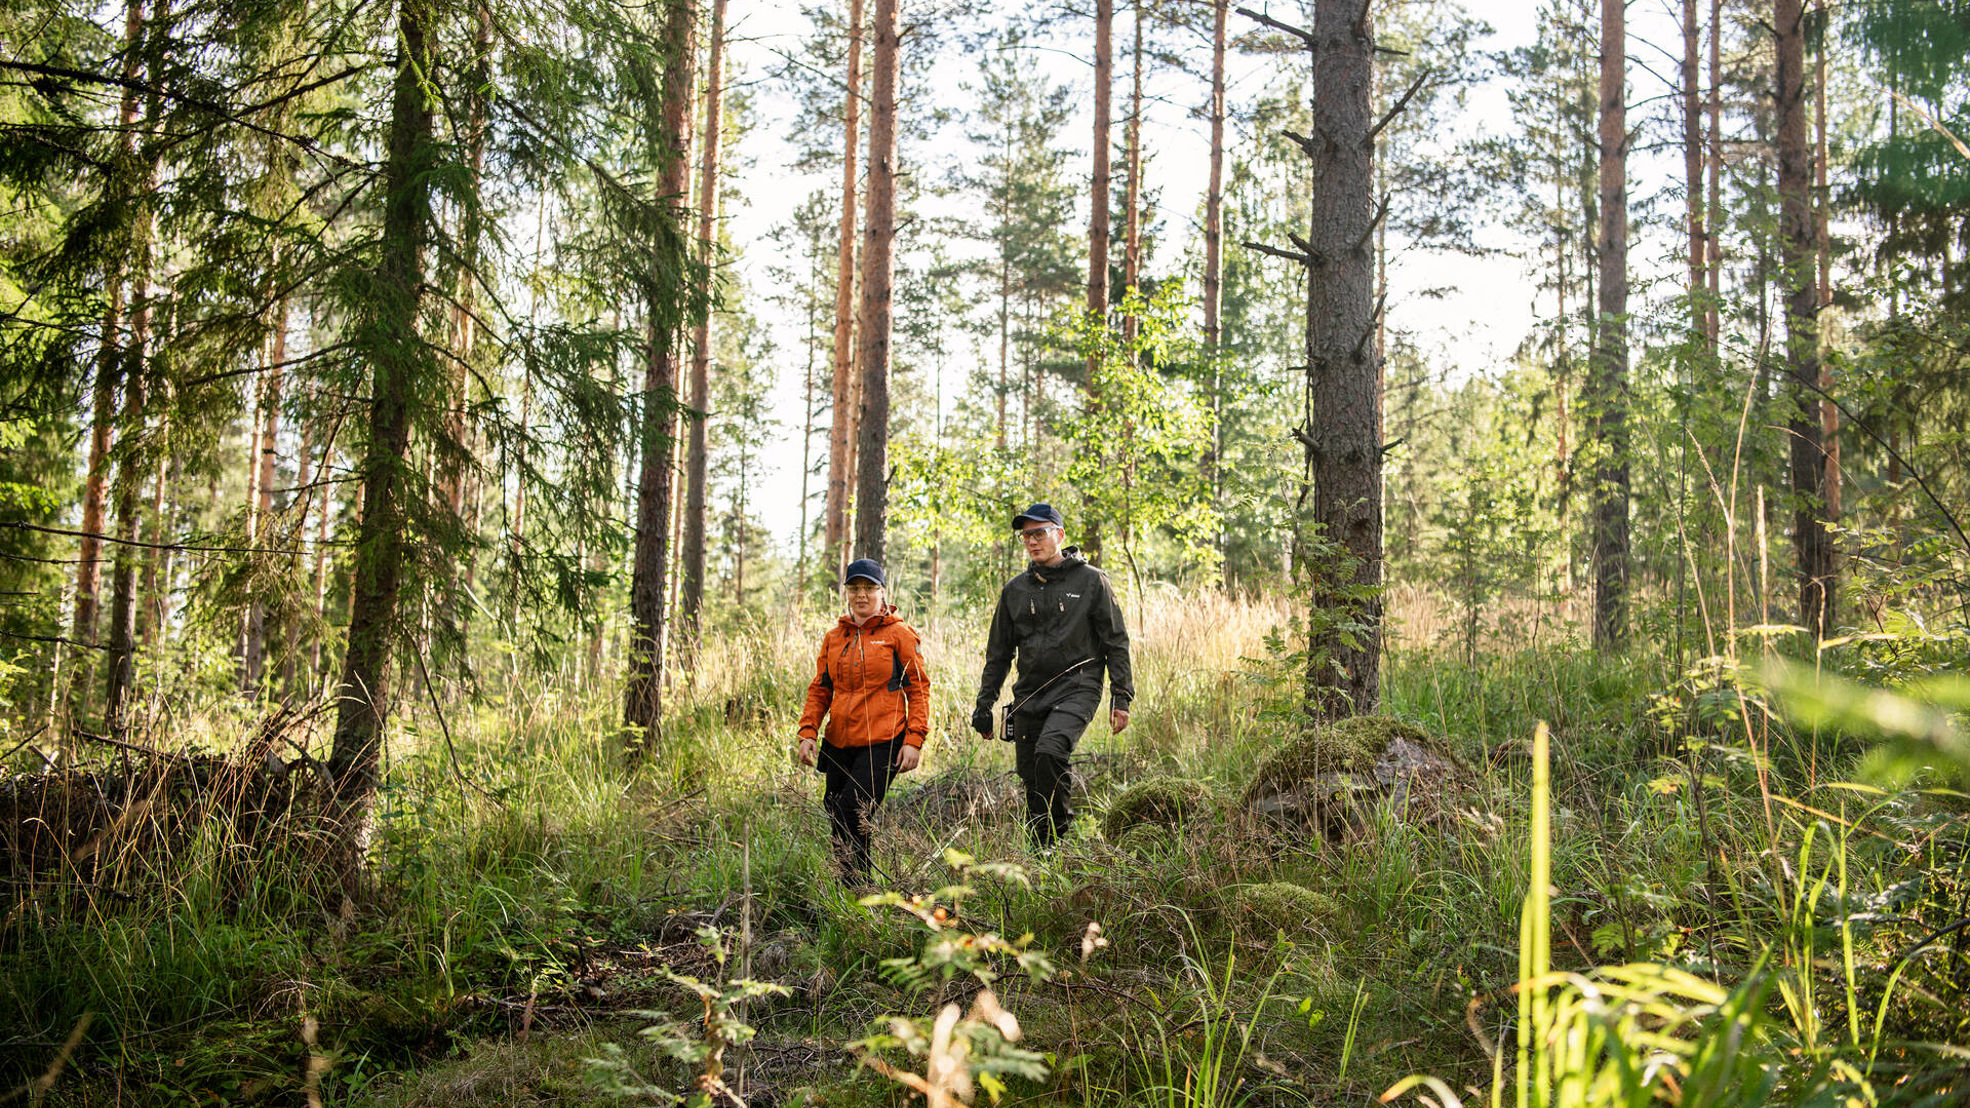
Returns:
(169,546)
(1307,260)
(1300,140)
(1402,102)
(1300,33)
(1368,232)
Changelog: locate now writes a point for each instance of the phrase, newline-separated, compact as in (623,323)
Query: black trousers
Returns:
(858,778)
(1042,747)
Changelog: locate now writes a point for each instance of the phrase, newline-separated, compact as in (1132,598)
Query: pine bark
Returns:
(1104,79)
(1714,184)
(399,374)
(109,367)
(693,570)
(261,502)
(1214,193)
(1343,456)
(1823,242)
(132,465)
(1606,395)
(649,583)
(1818,584)
(872,447)
(841,433)
(157,561)
(131,468)
(454,453)
(1132,218)
(1698,251)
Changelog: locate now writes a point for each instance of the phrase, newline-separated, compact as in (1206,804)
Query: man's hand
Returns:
(981,722)
(1118,719)
(807,751)
(907,758)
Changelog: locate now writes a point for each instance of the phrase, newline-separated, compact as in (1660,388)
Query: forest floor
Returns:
(534,906)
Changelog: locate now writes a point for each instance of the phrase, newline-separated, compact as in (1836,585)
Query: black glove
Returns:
(981,721)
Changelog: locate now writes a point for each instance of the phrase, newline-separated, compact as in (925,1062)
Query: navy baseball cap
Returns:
(862,567)
(1039,513)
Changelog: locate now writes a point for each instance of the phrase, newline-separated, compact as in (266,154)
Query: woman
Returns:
(871,684)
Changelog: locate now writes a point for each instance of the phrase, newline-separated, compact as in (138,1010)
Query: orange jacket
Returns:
(870,682)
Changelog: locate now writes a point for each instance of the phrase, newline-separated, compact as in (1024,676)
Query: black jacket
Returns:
(1052,618)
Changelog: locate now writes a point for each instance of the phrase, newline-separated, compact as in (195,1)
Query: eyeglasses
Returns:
(1034,534)
(861,589)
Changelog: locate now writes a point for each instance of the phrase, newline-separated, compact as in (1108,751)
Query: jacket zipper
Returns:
(862,655)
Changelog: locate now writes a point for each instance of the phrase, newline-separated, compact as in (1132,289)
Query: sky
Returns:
(1471,331)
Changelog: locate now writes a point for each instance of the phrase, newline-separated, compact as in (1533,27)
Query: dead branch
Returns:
(1401,102)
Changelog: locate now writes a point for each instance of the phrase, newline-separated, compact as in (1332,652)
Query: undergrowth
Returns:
(529,895)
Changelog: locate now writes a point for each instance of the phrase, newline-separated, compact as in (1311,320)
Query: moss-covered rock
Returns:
(1329,776)
(1145,838)
(1265,910)
(1349,746)
(1165,801)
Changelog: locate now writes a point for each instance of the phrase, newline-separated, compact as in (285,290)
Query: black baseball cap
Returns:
(1039,513)
(864,568)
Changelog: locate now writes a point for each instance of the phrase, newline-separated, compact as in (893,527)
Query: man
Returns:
(1061,620)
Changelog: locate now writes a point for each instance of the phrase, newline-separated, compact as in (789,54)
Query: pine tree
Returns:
(873,349)
(1813,543)
(845,386)
(700,398)
(1606,394)
(401,374)
(669,140)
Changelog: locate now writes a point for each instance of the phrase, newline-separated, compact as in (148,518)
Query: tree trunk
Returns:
(1823,241)
(1797,233)
(1562,360)
(841,433)
(1005,302)
(130,471)
(110,357)
(1214,254)
(304,476)
(324,526)
(1104,78)
(454,453)
(872,446)
(1132,225)
(1699,281)
(89,566)
(261,505)
(643,692)
(1714,171)
(806,459)
(1343,457)
(157,562)
(132,465)
(695,467)
(1607,404)
(399,373)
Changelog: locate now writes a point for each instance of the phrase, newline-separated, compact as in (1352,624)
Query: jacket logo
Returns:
(1073,596)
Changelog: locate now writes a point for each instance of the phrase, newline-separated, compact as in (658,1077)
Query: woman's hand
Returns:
(907,758)
(807,751)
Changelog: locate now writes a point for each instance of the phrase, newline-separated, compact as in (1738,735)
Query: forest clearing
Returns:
(517,522)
